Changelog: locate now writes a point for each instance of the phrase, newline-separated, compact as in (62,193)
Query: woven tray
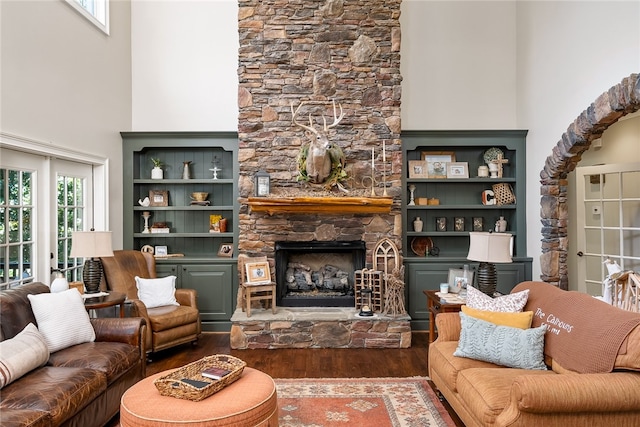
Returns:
(174,385)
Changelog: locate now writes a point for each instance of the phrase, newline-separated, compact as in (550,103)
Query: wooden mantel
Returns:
(320,205)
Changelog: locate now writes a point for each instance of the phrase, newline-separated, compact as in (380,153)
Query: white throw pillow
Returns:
(21,354)
(157,292)
(506,303)
(62,319)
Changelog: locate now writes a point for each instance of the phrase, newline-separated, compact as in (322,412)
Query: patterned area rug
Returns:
(380,402)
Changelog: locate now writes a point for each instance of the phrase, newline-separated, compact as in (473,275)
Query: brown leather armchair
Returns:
(168,325)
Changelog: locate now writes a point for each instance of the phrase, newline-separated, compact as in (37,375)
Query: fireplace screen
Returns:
(317,274)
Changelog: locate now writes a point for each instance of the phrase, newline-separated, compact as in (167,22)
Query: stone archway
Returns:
(621,99)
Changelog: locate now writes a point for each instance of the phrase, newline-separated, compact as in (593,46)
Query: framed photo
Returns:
(458,223)
(441,223)
(158,198)
(457,280)
(258,273)
(225,250)
(160,251)
(417,169)
(436,170)
(478,223)
(458,170)
(439,156)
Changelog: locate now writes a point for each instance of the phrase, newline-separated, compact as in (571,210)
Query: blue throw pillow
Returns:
(502,345)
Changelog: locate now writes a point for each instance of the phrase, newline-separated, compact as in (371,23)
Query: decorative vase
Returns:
(157,173)
(417,224)
(501,225)
(60,283)
(186,173)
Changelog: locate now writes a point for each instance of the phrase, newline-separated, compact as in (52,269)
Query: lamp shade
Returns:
(91,244)
(489,247)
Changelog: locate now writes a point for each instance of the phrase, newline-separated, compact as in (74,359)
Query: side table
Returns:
(103,301)
(436,305)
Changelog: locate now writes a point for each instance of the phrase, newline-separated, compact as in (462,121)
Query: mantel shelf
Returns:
(320,205)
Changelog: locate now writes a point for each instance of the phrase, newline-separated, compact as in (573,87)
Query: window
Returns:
(70,217)
(16,227)
(96,11)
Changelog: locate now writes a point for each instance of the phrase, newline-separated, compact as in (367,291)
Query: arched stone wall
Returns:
(621,99)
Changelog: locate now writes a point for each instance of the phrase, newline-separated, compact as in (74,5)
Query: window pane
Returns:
(611,242)
(631,213)
(592,241)
(591,219)
(630,187)
(27,196)
(611,187)
(3,173)
(14,225)
(591,191)
(27,258)
(79,193)
(593,265)
(631,242)
(14,188)
(611,214)
(60,190)
(3,231)
(27,225)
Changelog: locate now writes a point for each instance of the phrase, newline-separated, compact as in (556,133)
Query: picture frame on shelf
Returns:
(437,170)
(439,156)
(160,251)
(258,273)
(441,223)
(158,198)
(457,170)
(458,223)
(478,223)
(417,169)
(457,280)
(225,250)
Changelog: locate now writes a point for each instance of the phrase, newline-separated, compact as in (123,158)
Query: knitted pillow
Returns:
(506,303)
(502,345)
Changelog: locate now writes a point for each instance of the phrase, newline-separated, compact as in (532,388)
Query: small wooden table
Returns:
(435,305)
(103,301)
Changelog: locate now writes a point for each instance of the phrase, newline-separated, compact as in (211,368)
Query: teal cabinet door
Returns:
(164,270)
(215,285)
(424,276)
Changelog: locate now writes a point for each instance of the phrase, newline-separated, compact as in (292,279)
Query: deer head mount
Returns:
(320,161)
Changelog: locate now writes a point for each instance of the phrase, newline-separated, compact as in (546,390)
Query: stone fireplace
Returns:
(313,53)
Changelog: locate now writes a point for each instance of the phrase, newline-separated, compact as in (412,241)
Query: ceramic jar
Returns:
(417,224)
(501,225)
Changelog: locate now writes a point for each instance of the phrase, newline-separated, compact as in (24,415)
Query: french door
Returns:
(42,200)
(608,219)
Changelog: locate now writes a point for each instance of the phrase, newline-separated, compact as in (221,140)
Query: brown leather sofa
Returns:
(486,394)
(80,385)
(169,325)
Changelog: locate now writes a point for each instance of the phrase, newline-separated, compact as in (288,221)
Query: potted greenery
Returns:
(156,172)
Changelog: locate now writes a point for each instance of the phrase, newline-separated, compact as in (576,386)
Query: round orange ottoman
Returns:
(249,401)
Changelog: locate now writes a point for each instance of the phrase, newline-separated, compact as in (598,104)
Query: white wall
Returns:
(568,54)
(458,63)
(67,83)
(184,65)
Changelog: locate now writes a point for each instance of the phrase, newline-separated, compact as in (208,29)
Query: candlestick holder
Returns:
(146,215)
(412,189)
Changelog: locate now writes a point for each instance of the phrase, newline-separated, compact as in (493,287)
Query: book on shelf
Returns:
(215,373)
(160,230)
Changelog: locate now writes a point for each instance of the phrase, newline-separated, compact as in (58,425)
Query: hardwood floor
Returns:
(308,363)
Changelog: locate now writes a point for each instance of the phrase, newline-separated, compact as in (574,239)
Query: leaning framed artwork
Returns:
(258,273)
(225,250)
(457,170)
(158,198)
(417,169)
(457,280)
(439,156)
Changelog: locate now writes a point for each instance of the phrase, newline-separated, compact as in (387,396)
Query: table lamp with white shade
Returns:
(488,249)
(91,245)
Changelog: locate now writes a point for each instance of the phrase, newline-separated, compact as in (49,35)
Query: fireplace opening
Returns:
(317,274)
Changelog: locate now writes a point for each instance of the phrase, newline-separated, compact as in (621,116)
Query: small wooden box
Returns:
(78,285)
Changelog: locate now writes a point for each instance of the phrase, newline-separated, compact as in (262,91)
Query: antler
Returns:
(336,119)
(293,119)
